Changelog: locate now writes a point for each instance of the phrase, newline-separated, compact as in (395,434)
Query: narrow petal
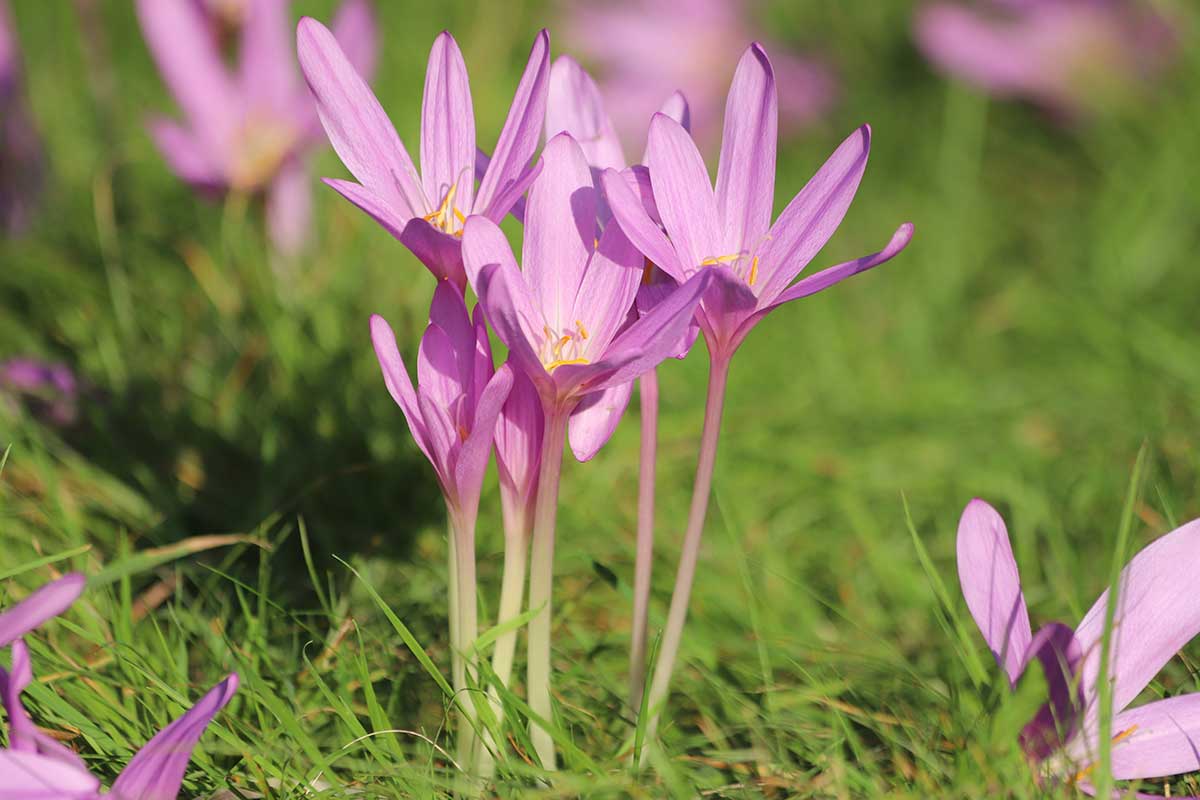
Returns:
(991,585)
(482,367)
(683,193)
(484,243)
(1057,649)
(962,42)
(1158,739)
(357,32)
(156,772)
(575,107)
(47,602)
(376,207)
(727,305)
(560,230)
(676,107)
(519,436)
(522,129)
(813,215)
(266,63)
(448,311)
(447,127)
(746,175)
(595,420)
(23,735)
(399,385)
(444,439)
(607,290)
(289,208)
(186,154)
(439,373)
(1158,612)
(830,276)
(506,303)
(192,68)
(477,448)
(630,213)
(357,126)
(30,776)
(511,197)
(655,337)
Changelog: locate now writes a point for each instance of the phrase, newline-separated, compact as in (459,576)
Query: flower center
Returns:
(564,347)
(447,219)
(262,145)
(737,263)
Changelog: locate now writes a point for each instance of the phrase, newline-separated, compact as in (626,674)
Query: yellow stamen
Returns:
(753,271)
(463,433)
(1125,734)
(582,330)
(553,365)
(443,218)
(647,271)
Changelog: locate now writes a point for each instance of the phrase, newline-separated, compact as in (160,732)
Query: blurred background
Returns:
(171,367)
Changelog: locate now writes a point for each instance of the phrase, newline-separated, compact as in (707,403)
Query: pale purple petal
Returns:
(1158,612)
(676,107)
(511,197)
(444,439)
(991,585)
(683,193)
(267,65)
(23,735)
(506,302)
(560,231)
(959,41)
(477,447)
(632,216)
(357,32)
(448,311)
(575,107)
(192,68)
(608,288)
(482,367)
(519,438)
(746,175)
(185,154)
(156,772)
(813,215)
(357,126)
(47,602)
(441,253)
(289,208)
(1057,649)
(1158,739)
(438,369)
(447,127)
(521,132)
(399,385)
(30,776)
(595,419)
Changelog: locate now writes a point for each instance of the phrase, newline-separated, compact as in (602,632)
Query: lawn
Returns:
(244,495)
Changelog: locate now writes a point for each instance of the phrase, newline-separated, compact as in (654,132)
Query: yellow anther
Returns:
(750,280)
(713,261)
(553,365)
(443,218)
(463,433)
(582,330)
(1086,771)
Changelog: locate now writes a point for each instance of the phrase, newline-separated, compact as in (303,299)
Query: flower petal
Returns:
(185,154)
(191,66)
(30,776)
(266,63)
(522,129)
(608,288)
(444,439)
(447,127)
(477,448)
(438,368)
(574,106)
(510,198)
(441,253)
(595,419)
(960,41)
(519,437)
(746,175)
(399,385)
(506,303)
(48,601)
(156,771)
(632,215)
(1158,739)
(289,208)
(23,735)
(991,585)
(1057,649)
(357,126)
(448,311)
(560,230)
(1158,612)
(813,215)
(683,193)
(676,107)
(357,32)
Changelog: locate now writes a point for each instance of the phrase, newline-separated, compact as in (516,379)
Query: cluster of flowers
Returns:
(36,766)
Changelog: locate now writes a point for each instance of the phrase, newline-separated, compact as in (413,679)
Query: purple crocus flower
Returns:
(563,320)
(249,129)
(452,414)
(1063,54)
(36,767)
(22,163)
(646,49)
(426,212)
(1158,612)
(727,233)
(52,388)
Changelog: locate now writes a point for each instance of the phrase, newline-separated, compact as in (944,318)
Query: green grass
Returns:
(1040,330)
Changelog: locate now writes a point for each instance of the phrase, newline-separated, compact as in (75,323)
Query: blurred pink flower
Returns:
(21,159)
(248,128)
(50,389)
(1067,55)
(643,50)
